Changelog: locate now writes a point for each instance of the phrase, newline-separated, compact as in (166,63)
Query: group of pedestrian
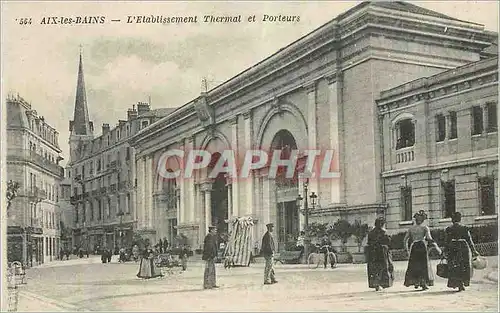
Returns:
(64,253)
(459,250)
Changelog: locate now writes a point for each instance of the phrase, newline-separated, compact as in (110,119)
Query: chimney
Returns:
(142,108)
(105,128)
(132,113)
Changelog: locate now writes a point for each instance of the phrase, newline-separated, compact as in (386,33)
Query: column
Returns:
(184,201)
(229,205)
(190,204)
(484,109)
(207,189)
(141,189)
(150,178)
(336,138)
(247,208)
(235,198)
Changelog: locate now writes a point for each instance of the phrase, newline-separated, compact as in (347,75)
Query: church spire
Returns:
(81,124)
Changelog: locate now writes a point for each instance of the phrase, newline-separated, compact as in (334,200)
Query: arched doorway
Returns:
(169,207)
(219,205)
(286,190)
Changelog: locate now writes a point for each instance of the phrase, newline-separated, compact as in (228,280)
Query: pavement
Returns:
(88,285)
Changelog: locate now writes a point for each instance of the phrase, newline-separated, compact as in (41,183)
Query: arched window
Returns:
(169,189)
(284,141)
(403,132)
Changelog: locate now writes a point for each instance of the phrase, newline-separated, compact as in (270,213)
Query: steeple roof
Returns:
(81,124)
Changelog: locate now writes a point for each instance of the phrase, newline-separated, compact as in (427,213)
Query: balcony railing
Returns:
(32,157)
(405,155)
(112,188)
(36,194)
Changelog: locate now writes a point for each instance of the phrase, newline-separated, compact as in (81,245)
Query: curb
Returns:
(62,305)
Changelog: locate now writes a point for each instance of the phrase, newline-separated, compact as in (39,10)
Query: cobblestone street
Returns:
(88,285)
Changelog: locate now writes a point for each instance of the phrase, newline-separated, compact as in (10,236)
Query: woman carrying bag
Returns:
(459,252)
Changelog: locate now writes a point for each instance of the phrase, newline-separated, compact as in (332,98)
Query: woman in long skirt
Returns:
(459,252)
(379,261)
(147,268)
(417,240)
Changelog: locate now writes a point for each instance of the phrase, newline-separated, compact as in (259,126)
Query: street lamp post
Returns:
(120,214)
(313,198)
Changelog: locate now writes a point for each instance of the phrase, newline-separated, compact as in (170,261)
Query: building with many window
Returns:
(33,155)
(319,92)
(440,146)
(101,171)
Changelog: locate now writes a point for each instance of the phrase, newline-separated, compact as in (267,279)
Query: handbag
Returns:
(479,263)
(442,268)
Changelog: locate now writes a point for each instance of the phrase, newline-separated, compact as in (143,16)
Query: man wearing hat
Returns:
(267,250)
(209,255)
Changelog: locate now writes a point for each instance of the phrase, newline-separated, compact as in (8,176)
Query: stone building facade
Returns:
(101,171)
(33,155)
(440,146)
(317,92)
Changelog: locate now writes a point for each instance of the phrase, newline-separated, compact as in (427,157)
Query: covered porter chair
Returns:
(238,250)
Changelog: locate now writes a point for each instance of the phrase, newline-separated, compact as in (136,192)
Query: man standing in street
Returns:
(267,250)
(209,255)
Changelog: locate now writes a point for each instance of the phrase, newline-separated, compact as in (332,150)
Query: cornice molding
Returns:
(437,90)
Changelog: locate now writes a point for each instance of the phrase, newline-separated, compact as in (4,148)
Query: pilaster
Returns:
(235,191)
(206,188)
(337,194)
(189,185)
(149,195)
(184,201)
(312,130)
(142,190)
(247,208)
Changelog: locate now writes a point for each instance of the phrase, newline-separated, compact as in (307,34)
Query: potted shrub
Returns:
(342,230)
(359,231)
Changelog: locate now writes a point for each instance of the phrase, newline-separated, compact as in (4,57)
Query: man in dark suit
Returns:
(209,255)
(268,249)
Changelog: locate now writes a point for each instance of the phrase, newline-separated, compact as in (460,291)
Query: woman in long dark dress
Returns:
(459,252)
(379,261)
(418,238)
(147,268)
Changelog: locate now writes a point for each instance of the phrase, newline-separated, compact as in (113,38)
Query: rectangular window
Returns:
(487,195)
(440,127)
(448,204)
(406,205)
(406,134)
(492,117)
(453,125)
(477,120)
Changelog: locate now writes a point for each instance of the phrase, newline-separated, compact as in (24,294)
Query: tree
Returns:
(360,231)
(317,230)
(11,193)
(342,230)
